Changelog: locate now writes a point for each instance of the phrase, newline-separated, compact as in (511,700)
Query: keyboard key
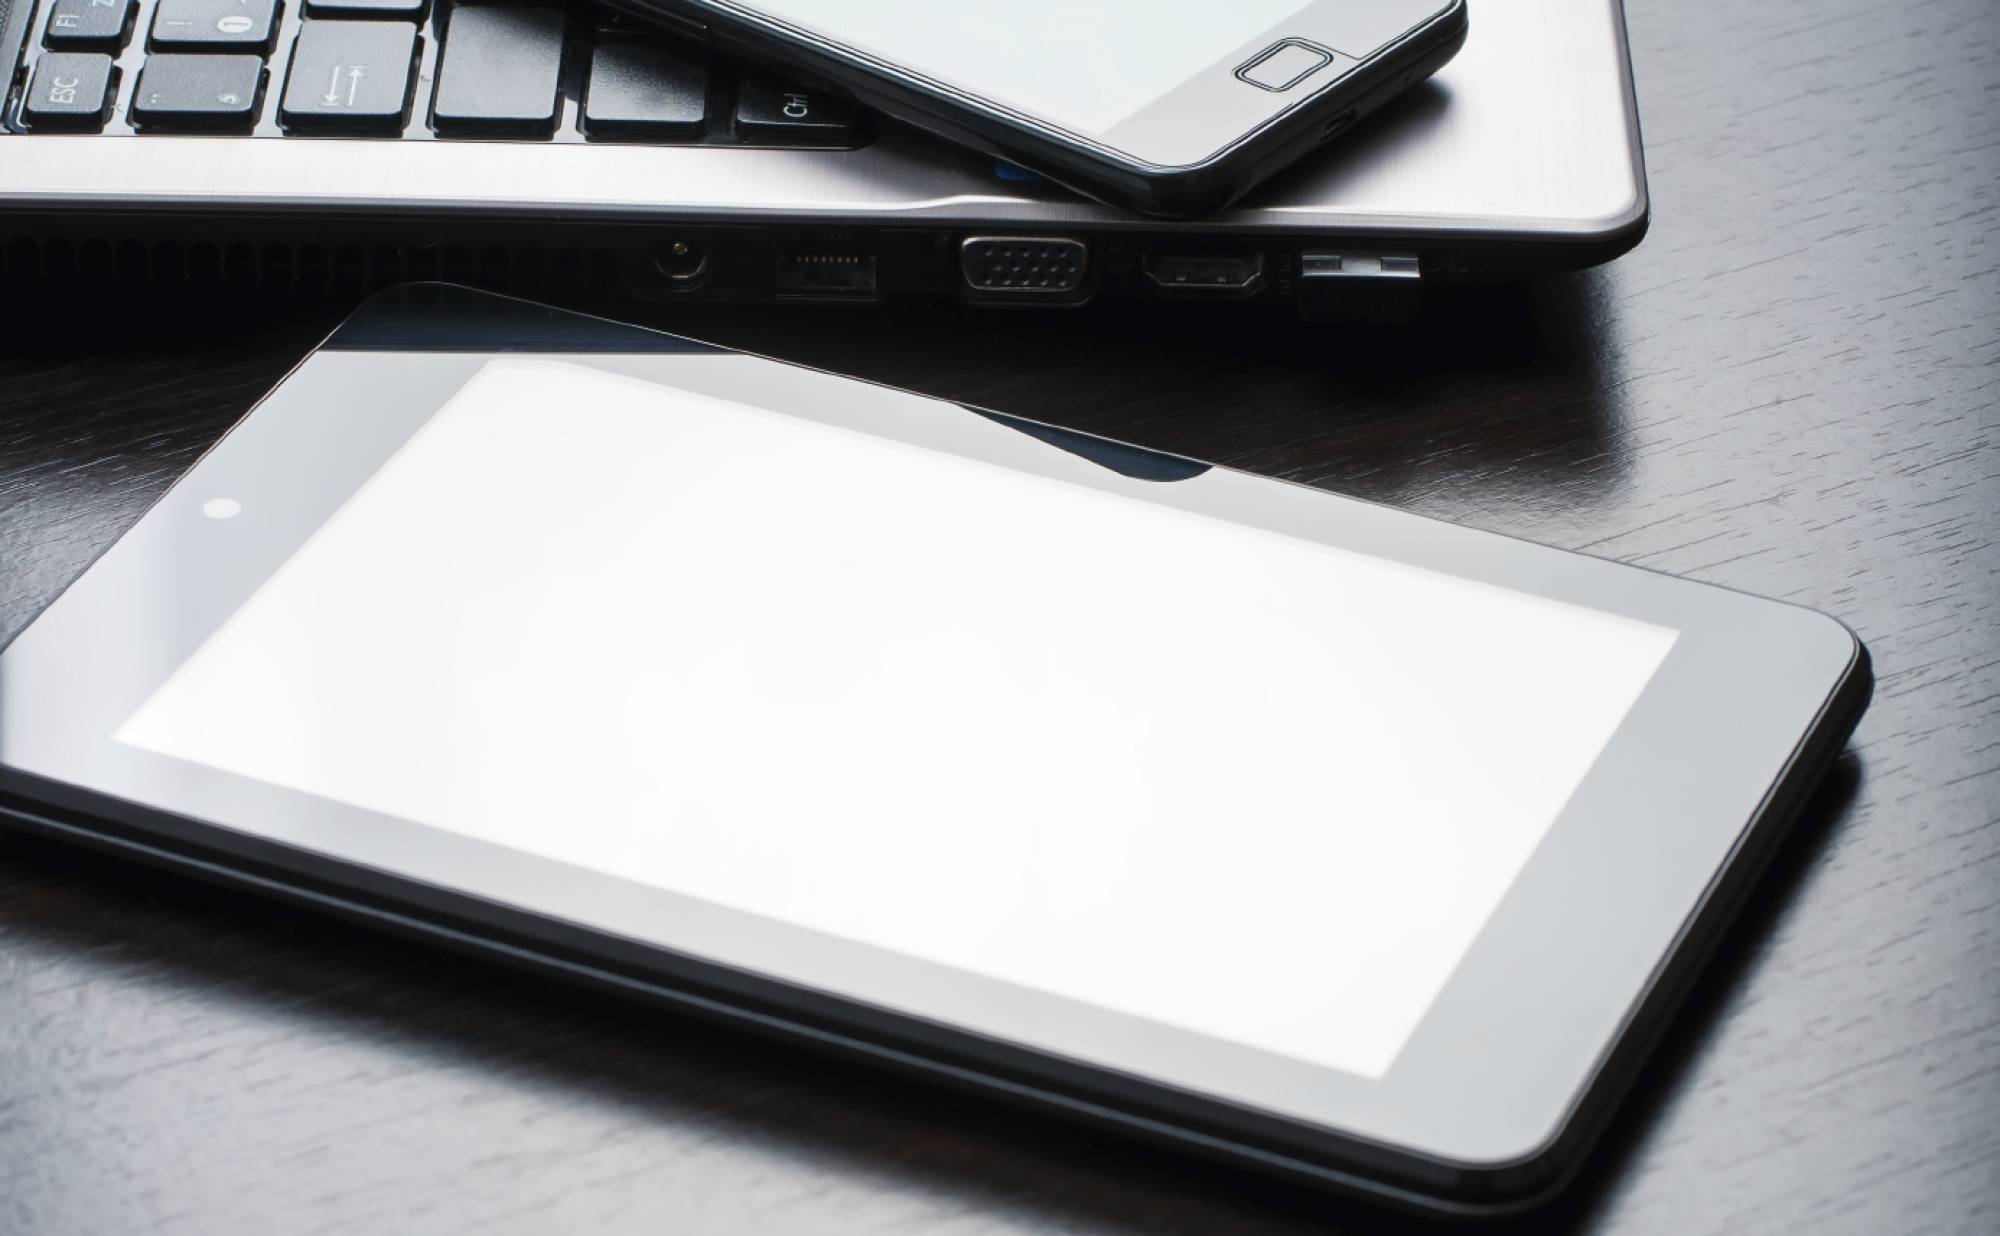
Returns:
(89,23)
(198,92)
(350,76)
(499,70)
(646,90)
(394,10)
(234,24)
(69,90)
(773,113)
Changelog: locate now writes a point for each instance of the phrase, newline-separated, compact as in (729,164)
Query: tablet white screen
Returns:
(1206,775)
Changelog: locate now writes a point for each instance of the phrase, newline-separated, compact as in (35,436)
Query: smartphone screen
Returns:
(1085,67)
(1174,88)
(1205,774)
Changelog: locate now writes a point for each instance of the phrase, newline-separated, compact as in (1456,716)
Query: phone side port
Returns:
(1234,274)
(832,265)
(1024,267)
(1339,124)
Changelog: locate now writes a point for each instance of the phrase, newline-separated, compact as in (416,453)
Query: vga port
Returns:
(1023,265)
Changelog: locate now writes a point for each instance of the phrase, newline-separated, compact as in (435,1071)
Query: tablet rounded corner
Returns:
(1842,651)
(1509,1176)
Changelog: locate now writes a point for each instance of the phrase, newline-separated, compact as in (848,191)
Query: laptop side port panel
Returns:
(1025,270)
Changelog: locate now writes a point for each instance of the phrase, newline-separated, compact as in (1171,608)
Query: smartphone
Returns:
(1259,822)
(1171,109)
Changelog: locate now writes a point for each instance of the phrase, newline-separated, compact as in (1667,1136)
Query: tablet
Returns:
(1285,828)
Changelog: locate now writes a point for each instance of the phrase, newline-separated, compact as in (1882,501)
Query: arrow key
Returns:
(350,76)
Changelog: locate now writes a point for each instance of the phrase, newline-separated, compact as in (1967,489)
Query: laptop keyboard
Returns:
(404,69)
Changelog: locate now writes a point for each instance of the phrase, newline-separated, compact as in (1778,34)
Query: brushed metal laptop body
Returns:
(225,155)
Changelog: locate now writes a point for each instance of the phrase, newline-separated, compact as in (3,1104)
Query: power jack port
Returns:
(683,262)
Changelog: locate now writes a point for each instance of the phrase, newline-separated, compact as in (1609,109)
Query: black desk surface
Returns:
(1792,387)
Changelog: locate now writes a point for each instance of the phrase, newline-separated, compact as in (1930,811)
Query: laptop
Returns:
(337,145)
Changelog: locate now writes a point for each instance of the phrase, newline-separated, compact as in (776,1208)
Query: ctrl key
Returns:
(69,90)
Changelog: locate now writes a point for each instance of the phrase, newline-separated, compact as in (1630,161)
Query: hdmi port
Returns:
(1241,275)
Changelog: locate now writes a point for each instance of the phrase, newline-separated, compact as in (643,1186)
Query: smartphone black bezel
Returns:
(1650,867)
(1290,128)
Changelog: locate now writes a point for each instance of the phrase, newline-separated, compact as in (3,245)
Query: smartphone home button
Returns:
(1284,64)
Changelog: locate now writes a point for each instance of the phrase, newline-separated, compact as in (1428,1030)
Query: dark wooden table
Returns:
(1792,387)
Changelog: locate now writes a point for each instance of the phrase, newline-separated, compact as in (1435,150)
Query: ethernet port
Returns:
(825,264)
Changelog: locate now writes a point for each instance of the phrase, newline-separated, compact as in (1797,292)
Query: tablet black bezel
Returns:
(1487,1085)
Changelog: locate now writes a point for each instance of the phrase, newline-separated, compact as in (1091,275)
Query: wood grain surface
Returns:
(1792,387)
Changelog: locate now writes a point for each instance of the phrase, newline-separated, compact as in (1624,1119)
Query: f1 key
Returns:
(95,24)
